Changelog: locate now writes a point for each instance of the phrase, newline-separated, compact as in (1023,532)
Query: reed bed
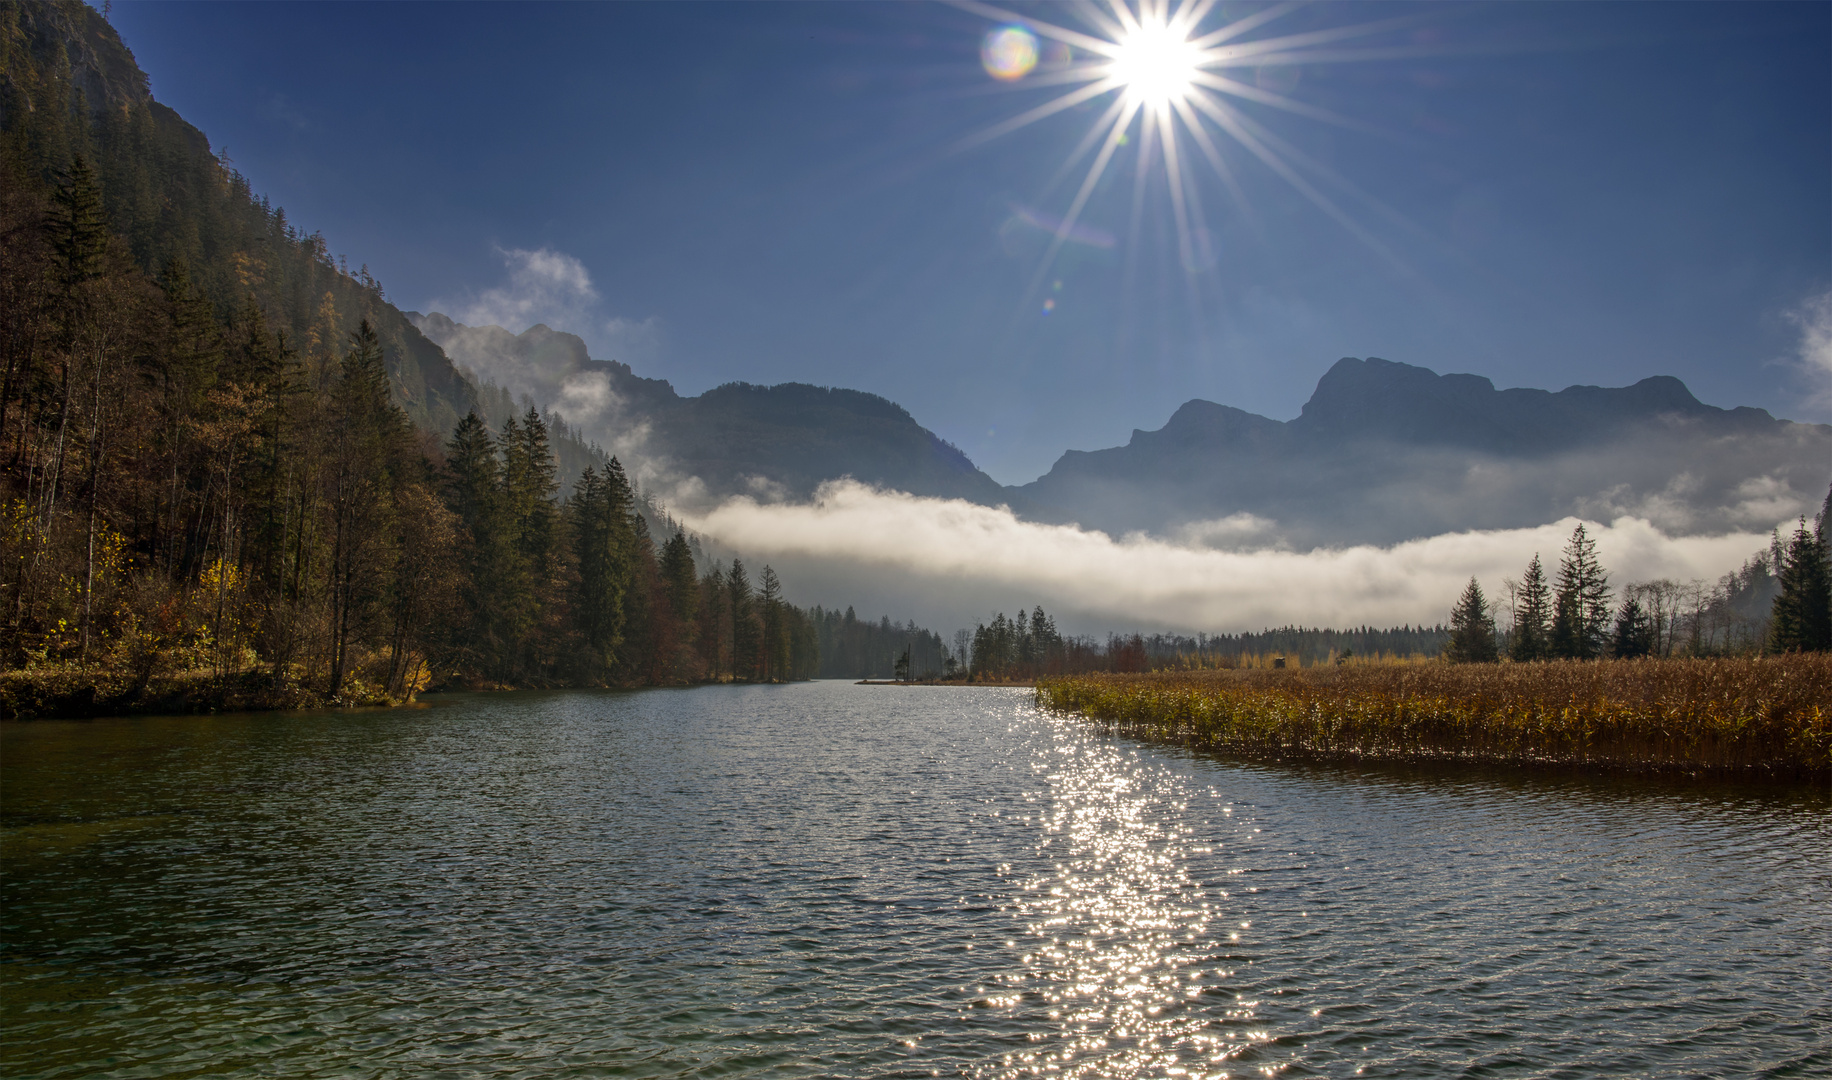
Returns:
(1755,716)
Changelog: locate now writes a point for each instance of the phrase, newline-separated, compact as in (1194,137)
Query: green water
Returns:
(833,880)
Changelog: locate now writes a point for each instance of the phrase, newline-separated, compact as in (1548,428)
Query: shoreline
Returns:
(942,682)
(26,696)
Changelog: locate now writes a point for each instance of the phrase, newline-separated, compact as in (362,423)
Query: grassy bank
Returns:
(1769,716)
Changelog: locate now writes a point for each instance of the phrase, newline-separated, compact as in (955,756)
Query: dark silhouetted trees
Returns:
(1472,631)
(1580,603)
(1802,616)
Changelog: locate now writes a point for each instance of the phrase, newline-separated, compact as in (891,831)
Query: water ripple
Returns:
(830,880)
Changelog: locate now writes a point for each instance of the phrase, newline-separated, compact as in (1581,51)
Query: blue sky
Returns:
(1547,195)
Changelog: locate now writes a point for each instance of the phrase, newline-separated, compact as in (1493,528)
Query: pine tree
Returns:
(1801,619)
(648,625)
(499,586)
(745,631)
(682,590)
(604,541)
(1581,610)
(368,435)
(1634,636)
(1472,632)
(714,634)
(773,650)
(1532,621)
(79,226)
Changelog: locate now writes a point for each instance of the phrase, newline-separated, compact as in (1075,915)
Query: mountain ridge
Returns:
(1338,471)
(1381,452)
(739,438)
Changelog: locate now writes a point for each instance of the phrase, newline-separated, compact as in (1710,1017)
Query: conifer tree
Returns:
(682,590)
(741,603)
(715,633)
(367,436)
(648,623)
(79,226)
(605,542)
(1581,610)
(1801,619)
(1472,632)
(773,650)
(1532,620)
(1634,636)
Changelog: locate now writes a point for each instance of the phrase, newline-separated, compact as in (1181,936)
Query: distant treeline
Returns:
(1029,646)
(855,648)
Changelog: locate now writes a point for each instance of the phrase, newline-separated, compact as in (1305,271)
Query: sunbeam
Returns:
(1167,70)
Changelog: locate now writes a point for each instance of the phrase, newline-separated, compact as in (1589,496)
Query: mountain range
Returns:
(1382,452)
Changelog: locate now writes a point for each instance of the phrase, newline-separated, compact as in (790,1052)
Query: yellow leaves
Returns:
(322,338)
(249,269)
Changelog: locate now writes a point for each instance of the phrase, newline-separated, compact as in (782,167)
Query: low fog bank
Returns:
(948,562)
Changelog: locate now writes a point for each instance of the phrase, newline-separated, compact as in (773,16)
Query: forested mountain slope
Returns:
(1385,452)
(776,441)
(70,87)
(231,474)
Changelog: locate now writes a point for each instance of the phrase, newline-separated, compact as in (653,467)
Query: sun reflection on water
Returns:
(1126,953)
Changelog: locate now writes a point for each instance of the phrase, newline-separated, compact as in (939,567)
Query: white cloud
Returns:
(544,285)
(552,287)
(1814,318)
(946,562)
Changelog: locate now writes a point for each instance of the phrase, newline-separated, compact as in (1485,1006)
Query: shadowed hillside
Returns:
(1385,452)
(740,438)
(69,87)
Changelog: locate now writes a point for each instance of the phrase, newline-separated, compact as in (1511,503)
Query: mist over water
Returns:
(832,880)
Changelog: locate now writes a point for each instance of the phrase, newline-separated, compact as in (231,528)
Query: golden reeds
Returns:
(1759,716)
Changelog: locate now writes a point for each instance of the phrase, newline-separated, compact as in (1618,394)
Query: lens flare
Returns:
(1009,53)
(1177,74)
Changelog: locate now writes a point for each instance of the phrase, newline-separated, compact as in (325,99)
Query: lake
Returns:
(835,880)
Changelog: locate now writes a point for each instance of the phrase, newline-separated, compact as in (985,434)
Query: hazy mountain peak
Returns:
(1385,451)
(738,438)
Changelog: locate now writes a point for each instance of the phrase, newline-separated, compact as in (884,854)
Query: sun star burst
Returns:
(1170,75)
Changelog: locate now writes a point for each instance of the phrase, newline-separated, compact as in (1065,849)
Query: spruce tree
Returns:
(1801,619)
(682,589)
(713,622)
(604,539)
(773,651)
(1472,632)
(368,435)
(741,602)
(1634,636)
(498,586)
(1532,621)
(1581,610)
(79,226)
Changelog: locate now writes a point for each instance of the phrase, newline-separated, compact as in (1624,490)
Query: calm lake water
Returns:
(835,880)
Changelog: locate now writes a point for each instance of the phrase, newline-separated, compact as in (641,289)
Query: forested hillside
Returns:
(792,436)
(232,473)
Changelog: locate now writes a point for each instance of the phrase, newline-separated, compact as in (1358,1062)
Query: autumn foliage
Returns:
(1769,716)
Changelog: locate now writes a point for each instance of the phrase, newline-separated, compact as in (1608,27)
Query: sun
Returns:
(1188,77)
(1157,64)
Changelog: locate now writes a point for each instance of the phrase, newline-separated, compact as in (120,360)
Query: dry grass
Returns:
(1756,716)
